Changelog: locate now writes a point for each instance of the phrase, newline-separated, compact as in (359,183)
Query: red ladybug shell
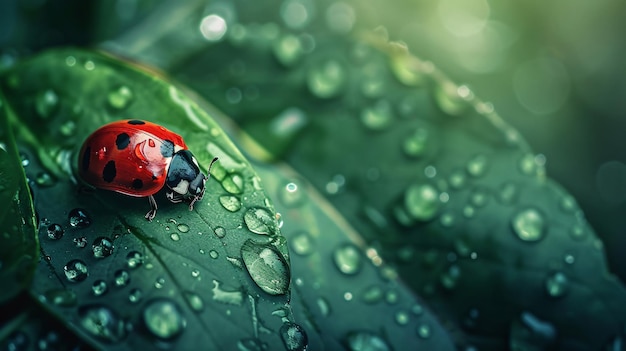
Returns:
(131,157)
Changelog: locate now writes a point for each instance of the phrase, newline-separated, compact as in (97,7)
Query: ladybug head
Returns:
(184,179)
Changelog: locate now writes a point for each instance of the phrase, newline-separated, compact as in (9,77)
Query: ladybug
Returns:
(137,158)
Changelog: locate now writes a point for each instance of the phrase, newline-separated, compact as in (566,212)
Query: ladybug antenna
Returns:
(211,165)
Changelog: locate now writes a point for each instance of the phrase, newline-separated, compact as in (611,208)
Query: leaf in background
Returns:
(342,291)
(426,172)
(18,240)
(215,278)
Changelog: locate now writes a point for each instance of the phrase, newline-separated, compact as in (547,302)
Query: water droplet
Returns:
(450,277)
(195,273)
(90,65)
(422,201)
(301,244)
(423,331)
(267,267)
(407,69)
(291,195)
(121,278)
(415,144)
(347,259)
(134,259)
(557,285)
(578,232)
(214,254)
(102,322)
(76,271)
(326,79)
(175,237)
(294,337)
(507,194)
(335,184)
(68,128)
(80,242)
(288,50)
(70,61)
(529,225)
(227,297)
(159,283)
(44,179)
(451,99)
(135,295)
(402,318)
(61,297)
(233,183)
(377,117)
(391,297)
(99,287)
(527,164)
(55,231)
(568,204)
(447,220)
(46,103)
(366,341)
(79,218)
(183,228)
(120,98)
(457,180)
(102,247)
(340,17)
(324,306)
(220,232)
(163,318)
(260,221)
(479,197)
(477,165)
(230,202)
(194,301)
(213,27)
(372,295)
(17,341)
(569,259)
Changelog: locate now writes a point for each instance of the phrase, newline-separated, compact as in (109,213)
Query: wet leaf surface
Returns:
(18,240)
(120,281)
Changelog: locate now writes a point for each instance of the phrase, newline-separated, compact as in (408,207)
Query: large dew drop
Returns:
(529,225)
(260,221)
(294,337)
(163,318)
(366,341)
(76,271)
(102,247)
(230,203)
(326,79)
(422,202)
(102,322)
(267,267)
(347,259)
(79,218)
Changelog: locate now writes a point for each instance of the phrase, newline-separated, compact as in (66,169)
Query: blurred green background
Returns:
(554,70)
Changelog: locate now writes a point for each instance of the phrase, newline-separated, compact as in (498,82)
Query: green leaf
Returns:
(188,278)
(18,240)
(431,176)
(344,295)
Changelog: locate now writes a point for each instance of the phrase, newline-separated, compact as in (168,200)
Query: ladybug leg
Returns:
(153,208)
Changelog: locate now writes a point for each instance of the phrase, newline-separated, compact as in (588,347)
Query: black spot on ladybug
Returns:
(167,148)
(109,172)
(136,122)
(86,158)
(122,141)
(137,184)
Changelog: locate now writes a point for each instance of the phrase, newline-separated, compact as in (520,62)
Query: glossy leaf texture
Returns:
(18,239)
(215,277)
(430,175)
(342,293)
